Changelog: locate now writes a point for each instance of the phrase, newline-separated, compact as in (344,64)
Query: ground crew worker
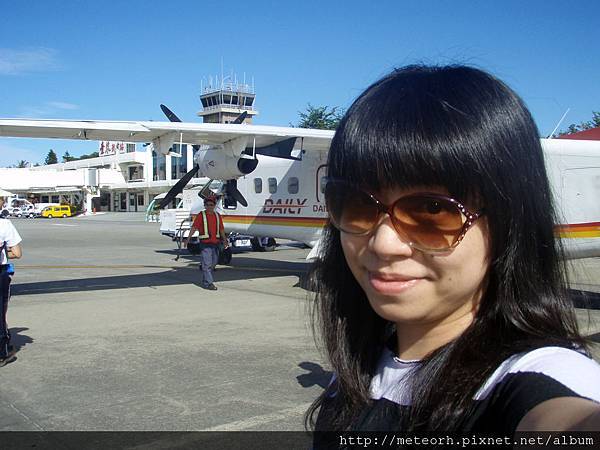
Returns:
(9,248)
(210,226)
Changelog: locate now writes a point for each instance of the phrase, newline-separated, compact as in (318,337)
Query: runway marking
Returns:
(92,266)
(27,418)
(63,225)
(252,422)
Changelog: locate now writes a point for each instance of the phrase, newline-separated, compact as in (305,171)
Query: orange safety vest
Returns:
(205,232)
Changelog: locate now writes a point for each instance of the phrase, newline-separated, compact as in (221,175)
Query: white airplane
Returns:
(280,170)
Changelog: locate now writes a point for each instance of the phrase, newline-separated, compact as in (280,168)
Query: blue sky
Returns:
(120,60)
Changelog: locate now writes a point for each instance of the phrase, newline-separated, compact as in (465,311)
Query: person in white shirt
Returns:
(10,248)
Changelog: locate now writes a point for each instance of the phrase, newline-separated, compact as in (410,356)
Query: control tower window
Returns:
(272,185)
(204,102)
(234,99)
(248,101)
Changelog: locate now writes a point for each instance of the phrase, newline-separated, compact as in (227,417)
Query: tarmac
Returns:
(114,334)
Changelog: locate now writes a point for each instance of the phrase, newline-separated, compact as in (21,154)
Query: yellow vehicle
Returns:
(57,211)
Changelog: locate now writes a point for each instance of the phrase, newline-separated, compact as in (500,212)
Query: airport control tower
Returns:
(224,99)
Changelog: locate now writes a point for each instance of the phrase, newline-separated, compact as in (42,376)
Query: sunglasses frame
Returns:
(469,217)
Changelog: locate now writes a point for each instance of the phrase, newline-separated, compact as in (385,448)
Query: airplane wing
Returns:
(166,132)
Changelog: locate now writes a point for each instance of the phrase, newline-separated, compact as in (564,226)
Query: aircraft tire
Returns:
(271,244)
(256,247)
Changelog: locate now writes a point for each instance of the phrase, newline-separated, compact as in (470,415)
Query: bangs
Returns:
(414,130)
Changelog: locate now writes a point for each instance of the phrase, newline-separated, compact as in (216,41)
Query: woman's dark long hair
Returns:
(461,128)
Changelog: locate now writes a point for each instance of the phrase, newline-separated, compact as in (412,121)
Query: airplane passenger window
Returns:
(323,181)
(293,185)
(258,185)
(272,185)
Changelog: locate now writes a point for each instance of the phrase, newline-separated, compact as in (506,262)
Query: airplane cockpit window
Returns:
(258,185)
(272,185)
(293,185)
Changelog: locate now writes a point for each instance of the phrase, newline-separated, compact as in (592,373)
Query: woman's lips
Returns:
(391,284)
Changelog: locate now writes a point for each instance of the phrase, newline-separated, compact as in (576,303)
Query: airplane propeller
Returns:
(170,114)
(230,188)
(178,188)
(240,119)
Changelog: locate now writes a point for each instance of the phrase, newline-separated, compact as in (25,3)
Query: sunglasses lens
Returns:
(432,223)
(350,209)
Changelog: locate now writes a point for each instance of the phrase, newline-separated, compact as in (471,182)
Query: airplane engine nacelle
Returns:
(216,164)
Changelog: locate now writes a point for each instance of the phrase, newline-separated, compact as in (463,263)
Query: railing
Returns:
(229,87)
(151,212)
(230,105)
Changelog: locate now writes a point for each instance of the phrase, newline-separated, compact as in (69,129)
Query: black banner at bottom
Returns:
(288,440)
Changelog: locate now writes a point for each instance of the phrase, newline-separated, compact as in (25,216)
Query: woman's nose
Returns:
(386,242)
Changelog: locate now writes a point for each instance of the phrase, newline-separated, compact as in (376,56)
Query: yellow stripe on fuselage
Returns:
(578,230)
(311,222)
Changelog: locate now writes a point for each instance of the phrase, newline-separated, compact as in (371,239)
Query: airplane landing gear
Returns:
(267,244)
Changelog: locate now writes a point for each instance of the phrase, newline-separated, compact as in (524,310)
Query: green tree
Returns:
(22,164)
(67,157)
(51,158)
(88,156)
(321,117)
(575,128)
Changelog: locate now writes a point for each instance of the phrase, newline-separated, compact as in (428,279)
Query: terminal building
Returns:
(127,176)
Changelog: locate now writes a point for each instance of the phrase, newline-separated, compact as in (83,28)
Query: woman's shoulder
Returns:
(571,369)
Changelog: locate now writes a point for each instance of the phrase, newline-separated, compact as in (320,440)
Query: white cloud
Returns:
(62,105)
(17,62)
(46,109)
(11,154)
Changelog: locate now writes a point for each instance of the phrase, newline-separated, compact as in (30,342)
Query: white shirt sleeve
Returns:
(11,235)
(8,234)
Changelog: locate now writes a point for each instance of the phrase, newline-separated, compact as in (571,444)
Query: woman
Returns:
(440,292)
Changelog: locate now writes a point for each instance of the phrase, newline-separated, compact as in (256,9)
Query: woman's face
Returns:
(409,286)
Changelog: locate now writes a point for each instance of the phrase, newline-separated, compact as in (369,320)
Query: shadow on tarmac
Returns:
(18,339)
(315,376)
(241,269)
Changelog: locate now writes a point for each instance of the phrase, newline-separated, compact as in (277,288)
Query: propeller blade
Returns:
(170,114)
(178,188)
(240,118)
(233,191)
(206,192)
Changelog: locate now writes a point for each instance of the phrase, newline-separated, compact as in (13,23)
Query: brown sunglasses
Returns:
(429,222)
